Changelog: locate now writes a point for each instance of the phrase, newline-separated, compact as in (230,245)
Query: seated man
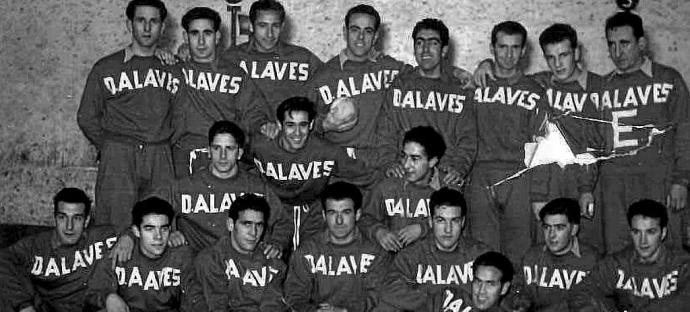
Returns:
(153,279)
(338,269)
(234,274)
(48,271)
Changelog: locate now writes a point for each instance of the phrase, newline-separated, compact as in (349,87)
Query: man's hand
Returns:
(395,171)
(165,56)
(28,309)
(536,208)
(176,239)
(270,130)
(677,197)
(586,199)
(122,251)
(483,73)
(272,251)
(183,52)
(452,177)
(388,240)
(464,76)
(410,233)
(327,307)
(113,303)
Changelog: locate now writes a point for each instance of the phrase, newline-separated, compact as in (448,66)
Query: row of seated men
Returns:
(172,261)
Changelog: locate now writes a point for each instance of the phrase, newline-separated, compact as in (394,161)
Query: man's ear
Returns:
(577,53)
(311,125)
(240,152)
(574,230)
(444,52)
(87,221)
(433,161)
(642,43)
(219,35)
(128,24)
(664,231)
(504,288)
(135,230)
(358,214)
(185,37)
(230,223)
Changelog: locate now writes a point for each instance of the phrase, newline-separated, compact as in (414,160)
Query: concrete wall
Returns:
(48,48)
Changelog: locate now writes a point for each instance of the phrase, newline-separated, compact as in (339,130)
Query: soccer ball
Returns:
(343,111)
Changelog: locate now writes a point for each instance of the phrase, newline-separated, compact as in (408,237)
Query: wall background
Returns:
(48,47)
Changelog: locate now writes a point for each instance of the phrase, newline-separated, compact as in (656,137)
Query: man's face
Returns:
(224,153)
(70,222)
(202,40)
(361,35)
(341,219)
(418,167)
(246,231)
(507,50)
(562,59)
(146,26)
(266,30)
(295,130)
(153,234)
(428,51)
(647,236)
(447,223)
(487,288)
(558,233)
(624,49)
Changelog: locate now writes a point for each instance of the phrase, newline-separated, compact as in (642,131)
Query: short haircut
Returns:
(363,9)
(266,5)
(229,127)
(297,103)
(201,13)
(498,261)
(249,201)
(429,138)
(72,195)
(557,33)
(565,206)
(626,18)
(342,190)
(509,28)
(151,205)
(432,24)
(132,8)
(650,209)
(447,197)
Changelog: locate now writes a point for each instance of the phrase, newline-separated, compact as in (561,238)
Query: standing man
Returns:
(125,112)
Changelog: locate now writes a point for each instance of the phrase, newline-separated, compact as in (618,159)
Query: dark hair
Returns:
(151,205)
(132,7)
(72,195)
(229,127)
(557,33)
(296,103)
(498,261)
(429,138)
(432,24)
(565,206)
(201,13)
(363,9)
(509,28)
(266,5)
(621,19)
(249,201)
(650,209)
(447,197)
(342,190)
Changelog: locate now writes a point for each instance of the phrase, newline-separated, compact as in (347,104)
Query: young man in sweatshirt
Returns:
(298,166)
(125,112)
(48,271)
(338,269)
(650,275)
(154,278)
(234,274)
(429,95)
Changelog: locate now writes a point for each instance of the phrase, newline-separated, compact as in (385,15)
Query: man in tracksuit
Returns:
(48,271)
(213,90)
(234,274)
(154,278)
(640,92)
(338,269)
(649,275)
(125,111)
(298,165)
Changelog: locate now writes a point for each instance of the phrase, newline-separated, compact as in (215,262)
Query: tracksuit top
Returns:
(547,280)
(660,100)
(635,286)
(145,284)
(129,101)
(279,75)
(212,92)
(227,280)
(34,267)
(413,100)
(346,276)
(366,83)
(201,203)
